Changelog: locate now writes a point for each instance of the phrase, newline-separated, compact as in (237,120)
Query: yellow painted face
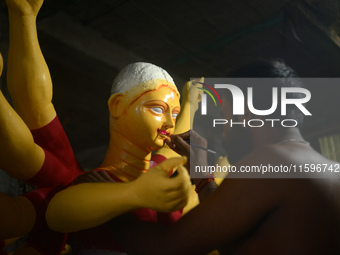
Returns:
(150,118)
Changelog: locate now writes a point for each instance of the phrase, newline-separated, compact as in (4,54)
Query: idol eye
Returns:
(174,115)
(158,110)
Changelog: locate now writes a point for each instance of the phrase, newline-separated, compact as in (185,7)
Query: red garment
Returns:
(60,166)
(59,169)
(100,238)
(156,159)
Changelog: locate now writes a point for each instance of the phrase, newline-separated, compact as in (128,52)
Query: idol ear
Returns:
(117,103)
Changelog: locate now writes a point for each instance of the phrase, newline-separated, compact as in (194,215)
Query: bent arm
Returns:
(88,205)
(20,157)
(29,81)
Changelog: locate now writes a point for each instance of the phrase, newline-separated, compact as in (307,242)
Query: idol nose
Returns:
(169,121)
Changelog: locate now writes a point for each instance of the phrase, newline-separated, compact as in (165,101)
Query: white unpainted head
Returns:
(139,76)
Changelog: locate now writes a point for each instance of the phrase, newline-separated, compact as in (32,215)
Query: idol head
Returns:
(144,105)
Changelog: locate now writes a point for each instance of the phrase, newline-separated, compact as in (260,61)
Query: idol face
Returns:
(150,118)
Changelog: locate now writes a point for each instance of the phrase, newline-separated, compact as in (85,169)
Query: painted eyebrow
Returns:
(157,102)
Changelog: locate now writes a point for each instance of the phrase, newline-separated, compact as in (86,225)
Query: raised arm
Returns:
(21,158)
(28,77)
(91,204)
(189,106)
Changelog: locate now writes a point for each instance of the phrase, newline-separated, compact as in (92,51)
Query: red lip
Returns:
(163,132)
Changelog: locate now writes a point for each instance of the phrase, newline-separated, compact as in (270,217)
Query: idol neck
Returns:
(125,159)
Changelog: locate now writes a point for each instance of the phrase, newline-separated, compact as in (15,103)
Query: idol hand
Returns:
(156,190)
(24,7)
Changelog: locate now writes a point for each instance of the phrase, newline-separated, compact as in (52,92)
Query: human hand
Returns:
(157,191)
(24,7)
(181,144)
(94,177)
(191,94)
